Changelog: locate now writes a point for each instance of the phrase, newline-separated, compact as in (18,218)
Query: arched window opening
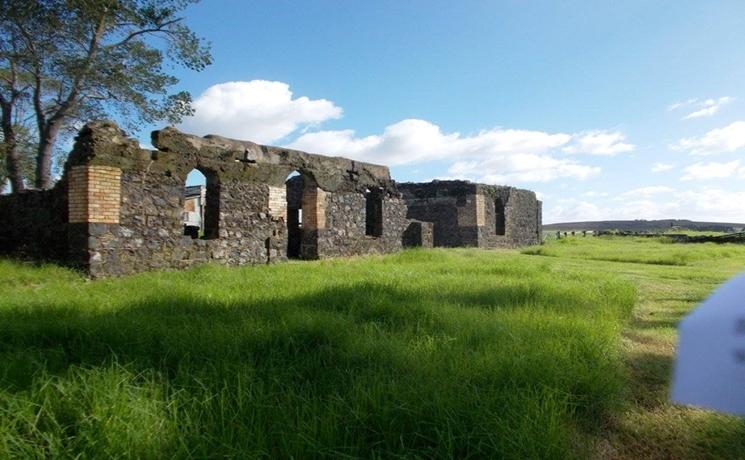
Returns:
(374,212)
(499,219)
(201,213)
(295,185)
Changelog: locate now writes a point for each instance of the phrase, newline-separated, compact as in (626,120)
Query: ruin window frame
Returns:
(374,213)
(500,219)
(294,212)
(210,218)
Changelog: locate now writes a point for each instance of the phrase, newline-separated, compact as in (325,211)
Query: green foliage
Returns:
(102,55)
(75,60)
(25,148)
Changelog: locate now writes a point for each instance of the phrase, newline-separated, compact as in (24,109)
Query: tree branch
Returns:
(65,106)
(160,28)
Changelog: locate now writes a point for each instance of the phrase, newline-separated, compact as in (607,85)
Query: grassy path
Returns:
(652,427)
(670,283)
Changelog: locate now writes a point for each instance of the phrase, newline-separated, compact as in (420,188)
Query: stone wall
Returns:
(418,234)
(117,209)
(121,212)
(466,214)
(33,224)
(346,226)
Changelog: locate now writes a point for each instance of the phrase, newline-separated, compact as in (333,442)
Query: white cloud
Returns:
(494,156)
(705,108)
(647,192)
(266,112)
(520,167)
(721,140)
(709,107)
(257,110)
(679,104)
(594,194)
(705,204)
(599,142)
(571,210)
(716,204)
(541,195)
(712,170)
(661,167)
(415,141)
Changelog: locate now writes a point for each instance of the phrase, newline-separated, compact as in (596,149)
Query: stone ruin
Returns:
(468,214)
(117,208)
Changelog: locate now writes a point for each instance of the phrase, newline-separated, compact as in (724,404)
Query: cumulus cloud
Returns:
(495,156)
(415,141)
(662,167)
(267,112)
(257,110)
(721,140)
(598,142)
(713,170)
(704,204)
(505,169)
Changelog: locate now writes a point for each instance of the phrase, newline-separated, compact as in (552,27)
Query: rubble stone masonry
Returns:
(117,208)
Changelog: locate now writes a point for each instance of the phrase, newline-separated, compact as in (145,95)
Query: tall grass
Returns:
(439,354)
(654,251)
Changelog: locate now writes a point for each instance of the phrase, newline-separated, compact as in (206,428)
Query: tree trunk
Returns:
(10,145)
(44,156)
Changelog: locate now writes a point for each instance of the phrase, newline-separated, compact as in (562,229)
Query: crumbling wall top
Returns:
(104,143)
(454,188)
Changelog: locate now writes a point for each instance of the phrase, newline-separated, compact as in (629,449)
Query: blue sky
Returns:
(632,109)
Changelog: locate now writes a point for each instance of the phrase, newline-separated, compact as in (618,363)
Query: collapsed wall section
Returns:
(452,208)
(469,214)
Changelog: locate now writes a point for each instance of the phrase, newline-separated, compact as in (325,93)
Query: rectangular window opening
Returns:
(374,213)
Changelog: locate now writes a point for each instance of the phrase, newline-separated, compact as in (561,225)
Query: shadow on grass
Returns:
(167,328)
(344,368)
(657,323)
(674,431)
(653,372)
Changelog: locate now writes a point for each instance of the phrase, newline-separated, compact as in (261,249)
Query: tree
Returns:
(24,150)
(73,60)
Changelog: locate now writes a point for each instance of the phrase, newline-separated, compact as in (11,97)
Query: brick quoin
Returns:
(94,194)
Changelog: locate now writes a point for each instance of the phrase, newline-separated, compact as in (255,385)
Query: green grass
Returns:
(428,354)
(643,250)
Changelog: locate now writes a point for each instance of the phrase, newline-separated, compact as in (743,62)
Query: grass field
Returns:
(561,351)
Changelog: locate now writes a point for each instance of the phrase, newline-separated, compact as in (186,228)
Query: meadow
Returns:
(558,351)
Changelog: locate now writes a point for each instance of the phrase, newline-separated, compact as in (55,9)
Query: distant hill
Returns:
(647,226)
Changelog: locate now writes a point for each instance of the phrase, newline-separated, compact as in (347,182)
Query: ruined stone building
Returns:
(120,209)
(468,214)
